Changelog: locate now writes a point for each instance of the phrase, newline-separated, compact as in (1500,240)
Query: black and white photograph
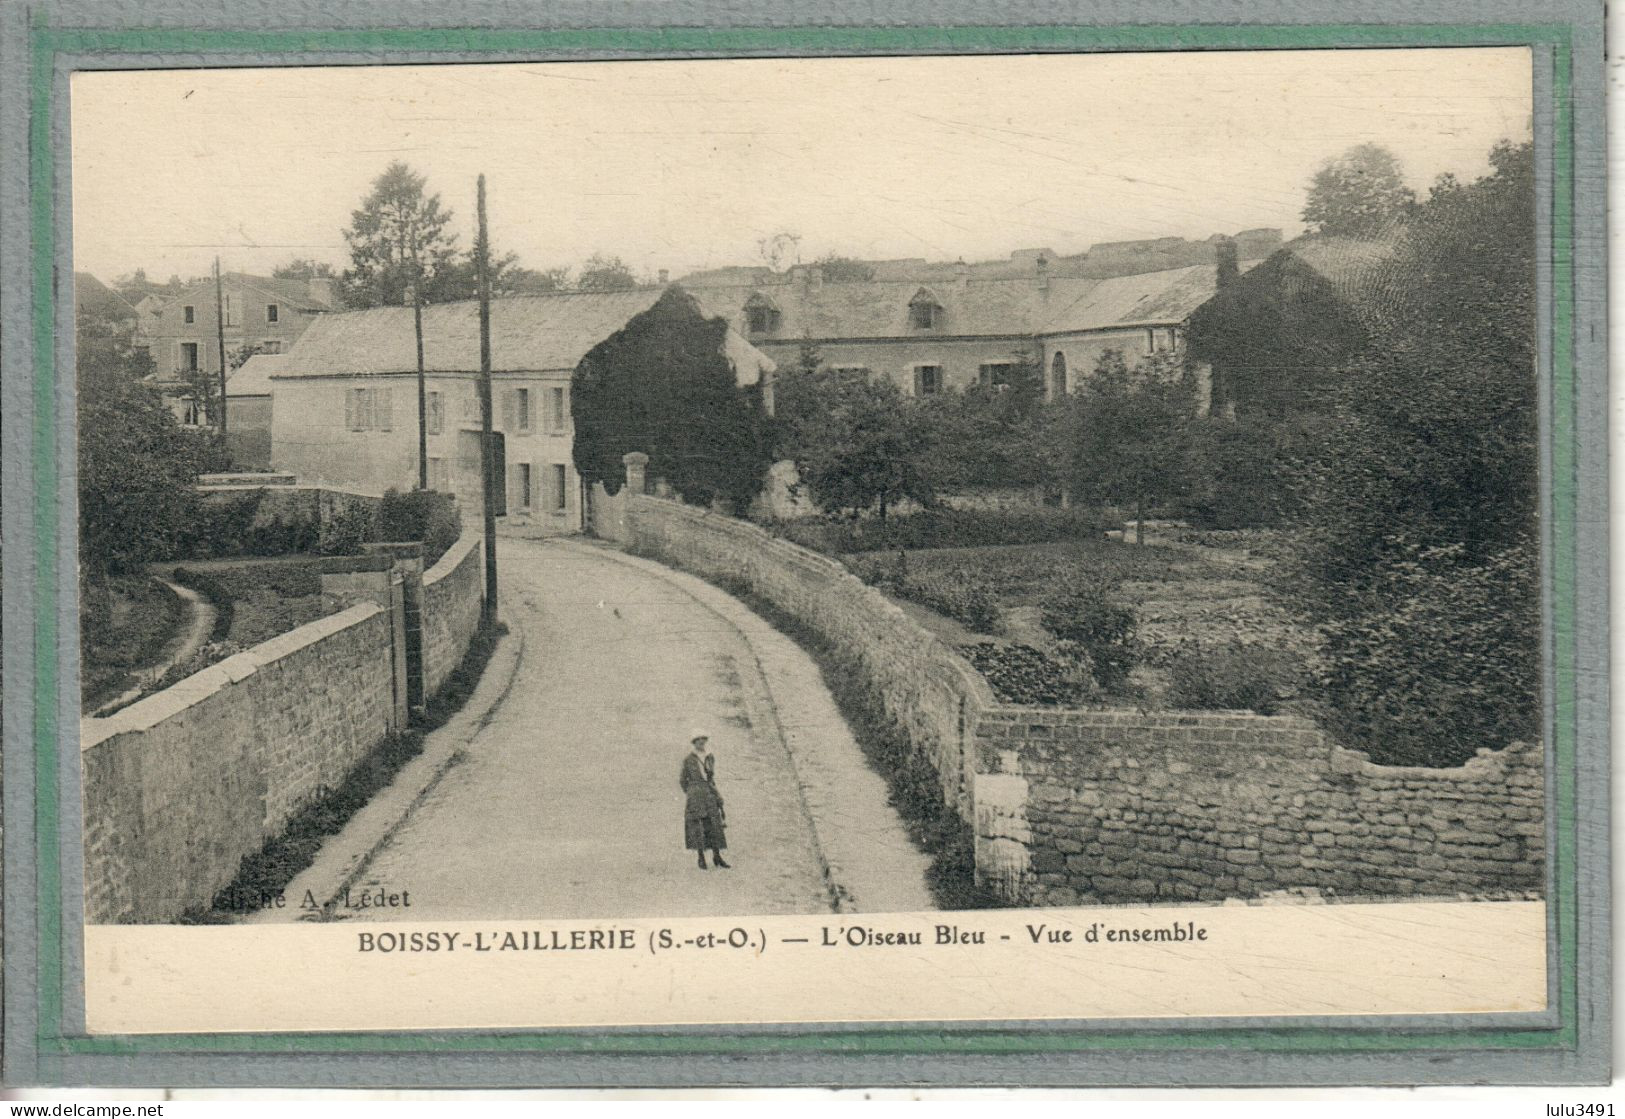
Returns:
(935,503)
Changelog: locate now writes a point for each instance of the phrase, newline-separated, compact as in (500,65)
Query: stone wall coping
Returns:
(453,558)
(182,696)
(1486,762)
(1124,716)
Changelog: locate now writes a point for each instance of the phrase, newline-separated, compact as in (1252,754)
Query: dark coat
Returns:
(703,819)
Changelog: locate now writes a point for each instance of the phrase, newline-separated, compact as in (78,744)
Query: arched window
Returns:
(761,314)
(1057,376)
(924,312)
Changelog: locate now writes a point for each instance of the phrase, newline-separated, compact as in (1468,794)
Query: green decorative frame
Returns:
(59,1055)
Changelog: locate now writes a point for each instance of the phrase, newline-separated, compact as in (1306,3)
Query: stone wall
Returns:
(179,787)
(929,691)
(1117,806)
(1124,806)
(452,593)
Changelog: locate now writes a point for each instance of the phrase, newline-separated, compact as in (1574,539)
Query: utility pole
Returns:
(482,263)
(220,340)
(423,392)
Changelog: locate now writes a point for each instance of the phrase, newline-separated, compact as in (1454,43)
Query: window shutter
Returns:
(349,409)
(386,409)
(509,406)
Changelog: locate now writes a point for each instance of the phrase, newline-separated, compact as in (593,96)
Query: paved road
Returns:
(567,804)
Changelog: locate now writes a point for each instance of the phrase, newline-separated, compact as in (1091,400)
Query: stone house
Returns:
(1273,335)
(179,331)
(941,334)
(345,398)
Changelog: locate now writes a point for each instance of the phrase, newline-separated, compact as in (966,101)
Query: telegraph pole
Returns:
(482,263)
(220,340)
(423,391)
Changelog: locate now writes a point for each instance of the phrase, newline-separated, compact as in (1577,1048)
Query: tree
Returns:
(605,273)
(1419,551)
(1358,194)
(1133,430)
(401,252)
(991,434)
(858,444)
(845,269)
(779,251)
(301,268)
(664,385)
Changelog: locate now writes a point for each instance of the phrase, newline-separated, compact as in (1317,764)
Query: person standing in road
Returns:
(703,820)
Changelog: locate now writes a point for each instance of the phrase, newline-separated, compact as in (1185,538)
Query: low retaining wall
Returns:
(1120,806)
(180,787)
(452,592)
(930,691)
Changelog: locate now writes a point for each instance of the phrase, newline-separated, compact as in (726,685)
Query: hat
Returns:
(697,733)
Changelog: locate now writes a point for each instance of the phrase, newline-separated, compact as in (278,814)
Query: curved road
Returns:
(567,804)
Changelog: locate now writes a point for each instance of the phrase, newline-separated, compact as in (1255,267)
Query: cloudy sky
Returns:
(689,164)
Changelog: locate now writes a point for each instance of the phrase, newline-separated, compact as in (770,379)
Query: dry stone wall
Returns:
(1101,806)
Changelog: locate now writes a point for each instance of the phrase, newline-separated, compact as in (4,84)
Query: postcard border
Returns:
(56,1054)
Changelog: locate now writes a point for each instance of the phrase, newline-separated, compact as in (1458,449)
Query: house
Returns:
(345,398)
(1274,335)
(180,333)
(937,334)
(248,410)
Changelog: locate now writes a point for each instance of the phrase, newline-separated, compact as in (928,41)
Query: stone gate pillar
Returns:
(637,464)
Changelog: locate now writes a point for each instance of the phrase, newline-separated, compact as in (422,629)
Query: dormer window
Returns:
(761,315)
(924,312)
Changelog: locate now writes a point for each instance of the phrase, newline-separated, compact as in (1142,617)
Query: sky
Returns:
(690,164)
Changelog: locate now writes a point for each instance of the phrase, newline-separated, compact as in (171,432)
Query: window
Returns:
(927,380)
(471,405)
(189,313)
(271,312)
(189,356)
(439,479)
(524,487)
(436,417)
(369,409)
(761,314)
(558,411)
(516,411)
(1057,376)
(995,374)
(271,346)
(1150,340)
(230,309)
(854,371)
(561,495)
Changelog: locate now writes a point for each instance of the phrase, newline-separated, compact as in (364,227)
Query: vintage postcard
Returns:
(807,542)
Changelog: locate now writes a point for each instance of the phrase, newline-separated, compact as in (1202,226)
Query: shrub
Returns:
(1030,676)
(1232,676)
(343,533)
(1080,612)
(423,515)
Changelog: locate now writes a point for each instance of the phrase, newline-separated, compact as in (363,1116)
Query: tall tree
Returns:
(664,385)
(302,268)
(858,443)
(1133,432)
(401,252)
(1420,557)
(845,269)
(1358,194)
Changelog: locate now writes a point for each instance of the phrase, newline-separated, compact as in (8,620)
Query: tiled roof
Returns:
(295,294)
(529,333)
(971,307)
(253,377)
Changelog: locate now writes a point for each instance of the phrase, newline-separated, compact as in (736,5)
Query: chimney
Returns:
(1041,268)
(1227,271)
(321,290)
(664,277)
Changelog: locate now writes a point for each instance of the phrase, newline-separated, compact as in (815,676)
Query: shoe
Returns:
(718,860)
(703,866)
